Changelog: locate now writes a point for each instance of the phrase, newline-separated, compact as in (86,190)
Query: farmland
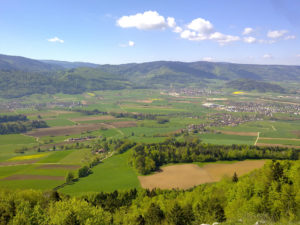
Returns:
(41,158)
(186,176)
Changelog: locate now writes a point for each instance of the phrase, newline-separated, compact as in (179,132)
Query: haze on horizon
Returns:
(116,32)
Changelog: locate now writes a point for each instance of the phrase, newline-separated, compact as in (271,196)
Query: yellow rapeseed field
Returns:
(238,93)
(26,157)
(91,94)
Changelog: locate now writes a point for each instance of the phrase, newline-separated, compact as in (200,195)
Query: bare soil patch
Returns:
(65,130)
(189,175)
(238,133)
(297,132)
(33,177)
(144,101)
(90,118)
(59,166)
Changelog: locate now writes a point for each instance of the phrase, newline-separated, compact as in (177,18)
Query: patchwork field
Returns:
(22,165)
(65,130)
(189,175)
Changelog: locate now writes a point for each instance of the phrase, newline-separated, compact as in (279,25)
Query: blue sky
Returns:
(102,31)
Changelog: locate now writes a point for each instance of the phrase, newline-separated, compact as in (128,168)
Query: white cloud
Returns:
(129,44)
(223,38)
(177,29)
(56,39)
(197,30)
(148,20)
(298,55)
(171,22)
(201,26)
(250,40)
(276,33)
(290,37)
(267,56)
(200,29)
(248,30)
(267,41)
(208,59)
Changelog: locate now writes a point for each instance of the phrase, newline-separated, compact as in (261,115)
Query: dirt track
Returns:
(189,175)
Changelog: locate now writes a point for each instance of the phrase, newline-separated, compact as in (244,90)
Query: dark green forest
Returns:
(268,195)
(14,124)
(147,158)
(252,85)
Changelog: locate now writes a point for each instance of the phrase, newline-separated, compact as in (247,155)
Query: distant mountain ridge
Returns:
(21,76)
(70,65)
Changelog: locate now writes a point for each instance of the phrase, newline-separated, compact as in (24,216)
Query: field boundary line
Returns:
(256,138)
(287,139)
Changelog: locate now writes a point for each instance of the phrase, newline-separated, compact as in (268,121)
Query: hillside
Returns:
(21,76)
(17,63)
(253,85)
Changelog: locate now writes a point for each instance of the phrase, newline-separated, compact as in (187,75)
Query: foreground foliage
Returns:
(270,195)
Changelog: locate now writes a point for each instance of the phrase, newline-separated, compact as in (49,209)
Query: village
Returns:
(19,105)
(222,119)
(265,108)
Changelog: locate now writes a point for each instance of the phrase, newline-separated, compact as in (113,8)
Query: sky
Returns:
(126,31)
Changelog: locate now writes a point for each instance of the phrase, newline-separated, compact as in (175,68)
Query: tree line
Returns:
(266,196)
(147,158)
(12,118)
(21,126)
(137,116)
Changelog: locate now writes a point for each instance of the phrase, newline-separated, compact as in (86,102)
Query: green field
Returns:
(114,173)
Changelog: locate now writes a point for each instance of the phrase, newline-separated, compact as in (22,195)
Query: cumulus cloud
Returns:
(223,39)
(128,44)
(171,22)
(177,29)
(250,40)
(208,59)
(290,37)
(198,29)
(267,56)
(276,33)
(131,43)
(248,30)
(201,26)
(56,39)
(149,20)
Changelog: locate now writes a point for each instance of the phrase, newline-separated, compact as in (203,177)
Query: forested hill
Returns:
(253,85)
(205,70)
(21,76)
(18,63)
